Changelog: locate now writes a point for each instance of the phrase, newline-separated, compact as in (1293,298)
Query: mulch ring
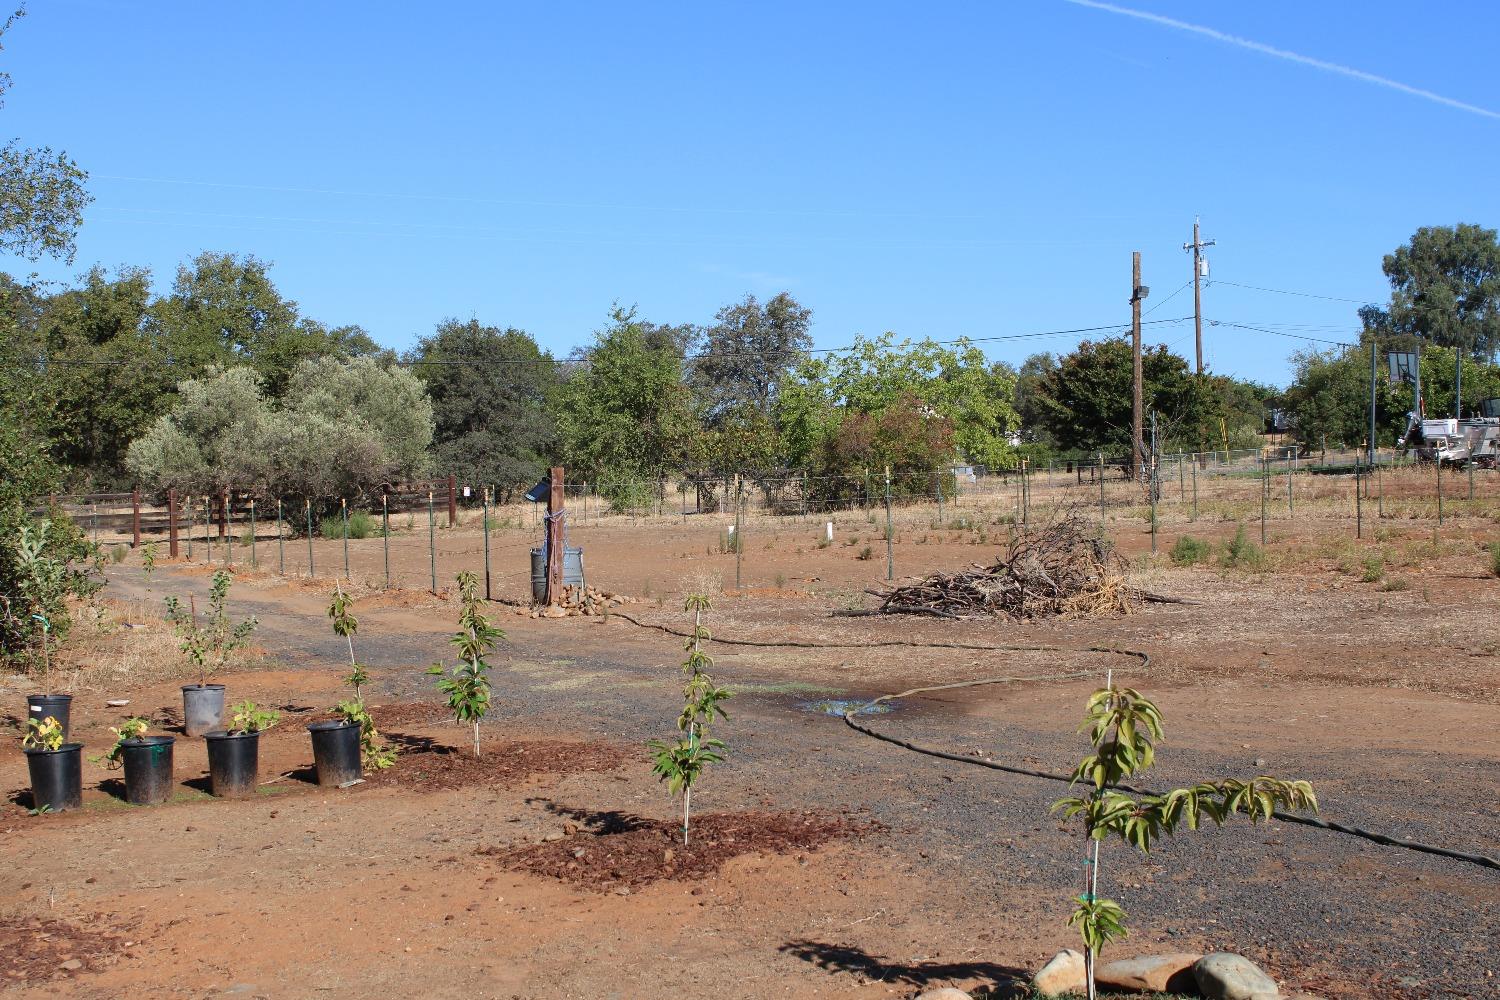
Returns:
(434,767)
(628,851)
(32,950)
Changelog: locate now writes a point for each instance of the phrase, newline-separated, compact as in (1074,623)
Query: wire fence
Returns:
(421,534)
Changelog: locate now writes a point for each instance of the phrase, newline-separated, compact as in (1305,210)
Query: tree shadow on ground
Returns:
(1006,981)
(603,822)
(417,744)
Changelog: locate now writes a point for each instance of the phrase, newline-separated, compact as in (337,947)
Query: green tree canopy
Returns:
(956,383)
(1445,288)
(346,427)
(1085,402)
(623,412)
(225,310)
(748,352)
(489,390)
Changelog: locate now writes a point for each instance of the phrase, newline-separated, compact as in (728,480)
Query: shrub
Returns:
(1396,583)
(866,554)
(1189,551)
(1241,553)
(361,525)
(1374,568)
(1495,558)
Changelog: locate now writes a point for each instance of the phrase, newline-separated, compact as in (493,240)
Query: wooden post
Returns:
(224,514)
(452,500)
(555,553)
(135,513)
(172,523)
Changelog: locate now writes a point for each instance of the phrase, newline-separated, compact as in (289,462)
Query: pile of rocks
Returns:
(576,600)
(1219,976)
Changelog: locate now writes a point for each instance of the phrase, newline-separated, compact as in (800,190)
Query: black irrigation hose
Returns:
(1385,840)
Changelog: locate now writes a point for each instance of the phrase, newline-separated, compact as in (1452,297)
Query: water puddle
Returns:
(838,706)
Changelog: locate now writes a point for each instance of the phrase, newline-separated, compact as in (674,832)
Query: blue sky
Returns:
(944,170)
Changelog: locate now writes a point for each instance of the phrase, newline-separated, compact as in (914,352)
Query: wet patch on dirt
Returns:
(32,950)
(623,851)
(427,765)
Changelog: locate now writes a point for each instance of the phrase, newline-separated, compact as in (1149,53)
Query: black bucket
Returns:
(148,770)
(336,752)
(233,763)
(58,706)
(56,777)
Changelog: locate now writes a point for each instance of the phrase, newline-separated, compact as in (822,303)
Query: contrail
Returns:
(1269,50)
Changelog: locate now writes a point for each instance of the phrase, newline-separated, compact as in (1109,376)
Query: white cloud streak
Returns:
(1295,57)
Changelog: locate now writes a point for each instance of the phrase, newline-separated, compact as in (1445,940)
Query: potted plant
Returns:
(208,647)
(234,754)
(57,707)
(56,766)
(344,746)
(147,761)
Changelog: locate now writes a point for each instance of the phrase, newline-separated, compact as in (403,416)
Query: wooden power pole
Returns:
(1137,414)
(1196,248)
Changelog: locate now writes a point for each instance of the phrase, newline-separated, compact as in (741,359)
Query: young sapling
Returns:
(44,734)
(130,729)
(1124,728)
(374,754)
(468,685)
(251,718)
(209,646)
(680,762)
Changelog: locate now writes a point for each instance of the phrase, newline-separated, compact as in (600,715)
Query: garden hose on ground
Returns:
(1384,840)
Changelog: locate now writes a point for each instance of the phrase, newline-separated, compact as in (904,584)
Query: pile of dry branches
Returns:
(1062,569)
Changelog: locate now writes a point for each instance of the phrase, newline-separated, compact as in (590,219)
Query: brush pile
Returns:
(1061,570)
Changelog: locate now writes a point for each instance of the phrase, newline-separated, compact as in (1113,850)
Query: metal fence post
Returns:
(385,534)
(1101,490)
(1438,467)
(1265,491)
(484,499)
(890,530)
(1195,487)
(938,483)
(172,523)
(254,562)
(280,544)
(135,513)
(432,540)
(208,526)
(344,514)
(310,572)
(1471,478)
(739,527)
(1359,515)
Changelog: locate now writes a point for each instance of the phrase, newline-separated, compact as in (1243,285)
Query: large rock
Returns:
(1066,973)
(1153,973)
(1222,976)
(944,993)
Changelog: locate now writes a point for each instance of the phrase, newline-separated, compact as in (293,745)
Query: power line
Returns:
(411,362)
(1283,291)
(1279,333)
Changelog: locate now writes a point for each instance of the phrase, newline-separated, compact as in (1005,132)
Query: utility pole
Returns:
(1138,292)
(1196,247)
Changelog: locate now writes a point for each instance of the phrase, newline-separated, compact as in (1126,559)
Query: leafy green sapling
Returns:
(373,753)
(251,718)
(209,646)
(148,559)
(1124,728)
(468,685)
(682,761)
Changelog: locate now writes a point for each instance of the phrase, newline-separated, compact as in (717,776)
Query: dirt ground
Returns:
(831,864)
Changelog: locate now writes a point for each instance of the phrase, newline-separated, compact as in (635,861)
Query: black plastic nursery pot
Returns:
(233,763)
(336,752)
(202,708)
(148,769)
(58,706)
(56,777)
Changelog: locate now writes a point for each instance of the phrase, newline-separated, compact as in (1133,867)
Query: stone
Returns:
(72,965)
(1222,976)
(944,993)
(1064,974)
(1153,973)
